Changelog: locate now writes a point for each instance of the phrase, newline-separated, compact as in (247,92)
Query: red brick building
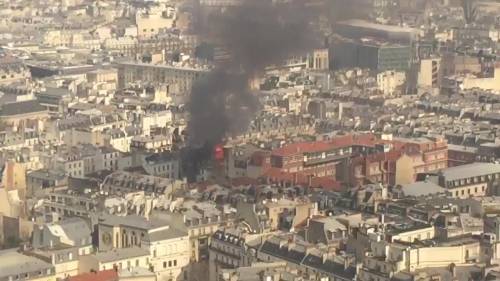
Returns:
(351,160)
(374,168)
(316,163)
(433,152)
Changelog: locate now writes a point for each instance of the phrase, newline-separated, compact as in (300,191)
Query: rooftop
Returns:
(377,26)
(23,107)
(13,263)
(105,275)
(421,188)
(120,254)
(469,170)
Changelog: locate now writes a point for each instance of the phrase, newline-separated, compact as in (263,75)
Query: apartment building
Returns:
(182,76)
(470,180)
(166,245)
(227,250)
(34,268)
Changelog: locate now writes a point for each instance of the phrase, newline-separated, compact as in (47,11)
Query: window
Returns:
(136,263)
(175,262)
(169,263)
(164,264)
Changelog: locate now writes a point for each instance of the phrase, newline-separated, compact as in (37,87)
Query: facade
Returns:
(303,257)
(430,74)
(319,60)
(164,165)
(375,168)
(314,159)
(486,83)
(121,181)
(66,204)
(23,114)
(389,81)
(470,180)
(433,152)
(181,77)
(167,247)
(38,180)
(152,22)
(461,155)
(227,251)
(157,143)
(372,54)
(125,258)
(287,215)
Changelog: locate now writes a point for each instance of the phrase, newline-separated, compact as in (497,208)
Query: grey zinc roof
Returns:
(164,234)
(421,188)
(130,220)
(462,148)
(76,229)
(470,170)
(13,263)
(121,254)
(23,107)
(159,227)
(330,267)
(294,255)
(47,174)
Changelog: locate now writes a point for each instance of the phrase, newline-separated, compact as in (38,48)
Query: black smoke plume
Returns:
(257,34)
(339,10)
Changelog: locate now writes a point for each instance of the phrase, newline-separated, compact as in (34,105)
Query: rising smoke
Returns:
(339,10)
(256,34)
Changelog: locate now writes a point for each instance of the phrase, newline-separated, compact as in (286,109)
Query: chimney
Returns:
(453,270)
(358,268)
(346,263)
(324,257)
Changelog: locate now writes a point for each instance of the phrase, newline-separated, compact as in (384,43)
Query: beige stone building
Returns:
(165,247)
(389,81)
(152,22)
(277,209)
(181,76)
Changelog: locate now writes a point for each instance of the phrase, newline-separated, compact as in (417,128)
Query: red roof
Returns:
(105,275)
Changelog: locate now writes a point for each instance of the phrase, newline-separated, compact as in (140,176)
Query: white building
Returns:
(166,245)
(389,81)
